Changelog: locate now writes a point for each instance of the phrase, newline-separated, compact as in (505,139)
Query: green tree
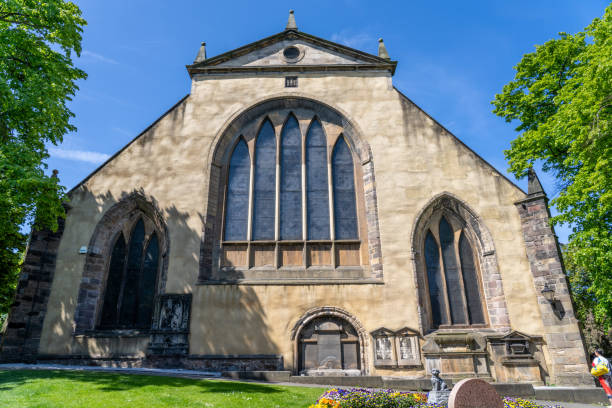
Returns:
(561,99)
(585,302)
(37,79)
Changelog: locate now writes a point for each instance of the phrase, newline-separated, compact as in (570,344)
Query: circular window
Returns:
(291,53)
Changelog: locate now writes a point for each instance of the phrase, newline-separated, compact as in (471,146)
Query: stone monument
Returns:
(474,393)
(439,393)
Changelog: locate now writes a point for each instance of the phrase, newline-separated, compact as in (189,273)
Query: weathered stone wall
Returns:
(21,339)
(413,160)
(565,345)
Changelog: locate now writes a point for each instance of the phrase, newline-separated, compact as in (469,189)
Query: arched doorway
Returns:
(328,345)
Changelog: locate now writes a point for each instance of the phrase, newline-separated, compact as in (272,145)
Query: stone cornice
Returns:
(371,62)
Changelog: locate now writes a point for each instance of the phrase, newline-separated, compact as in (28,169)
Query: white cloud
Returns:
(355,40)
(79,155)
(123,131)
(98,57)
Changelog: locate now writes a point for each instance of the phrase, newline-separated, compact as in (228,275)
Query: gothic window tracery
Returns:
(131,280)
(291,199)
(452,276)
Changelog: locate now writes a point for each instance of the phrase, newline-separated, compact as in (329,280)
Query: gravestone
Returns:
(329,346)
(474,393)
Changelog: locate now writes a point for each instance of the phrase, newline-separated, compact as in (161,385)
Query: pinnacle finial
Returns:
(291,22)
(533,183)
(201,53)
(382,50)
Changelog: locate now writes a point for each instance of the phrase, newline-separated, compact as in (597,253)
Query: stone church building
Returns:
(297,212)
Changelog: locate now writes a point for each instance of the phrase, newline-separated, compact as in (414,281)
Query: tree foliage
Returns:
(37,79)
(561,98)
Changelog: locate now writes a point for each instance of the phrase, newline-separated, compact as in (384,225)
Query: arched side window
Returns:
(452,277)
(131,281)
(287,221)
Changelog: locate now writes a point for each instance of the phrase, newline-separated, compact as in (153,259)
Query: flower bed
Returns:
(364,398)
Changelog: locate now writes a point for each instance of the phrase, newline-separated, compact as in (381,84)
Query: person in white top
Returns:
(606,379)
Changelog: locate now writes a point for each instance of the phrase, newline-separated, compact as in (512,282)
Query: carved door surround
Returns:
(329,341)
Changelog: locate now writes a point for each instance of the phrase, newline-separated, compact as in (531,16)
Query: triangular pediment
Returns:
(289,51)
(516,335)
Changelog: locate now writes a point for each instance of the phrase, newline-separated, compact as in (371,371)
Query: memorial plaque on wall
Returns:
(408,350)
(383,348)
(384,354)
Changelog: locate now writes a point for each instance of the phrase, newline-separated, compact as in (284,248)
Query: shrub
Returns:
(364,398)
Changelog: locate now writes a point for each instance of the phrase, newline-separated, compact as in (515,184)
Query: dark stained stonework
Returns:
(170,329)
(192,362)
(564,340)
(22,336)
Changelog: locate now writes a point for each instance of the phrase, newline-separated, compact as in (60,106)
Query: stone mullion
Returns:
(330,187)
(304,202)
(277,134)
(249,236)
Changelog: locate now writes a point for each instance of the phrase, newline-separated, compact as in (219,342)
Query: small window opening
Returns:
(291,53)
(291,82)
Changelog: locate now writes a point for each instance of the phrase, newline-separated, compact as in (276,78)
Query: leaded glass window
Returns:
(317,190)
(131,281)
(434,276)
(345,213)
(291,198)
(265,184)
(291,181)
(452,276)
(236,214)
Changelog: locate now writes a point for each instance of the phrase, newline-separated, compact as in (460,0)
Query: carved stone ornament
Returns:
(396,348)
(170,330)
(463,353)
(439,390)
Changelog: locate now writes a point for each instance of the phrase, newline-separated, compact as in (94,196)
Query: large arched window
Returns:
(291,198)
(452,278)
(131,280)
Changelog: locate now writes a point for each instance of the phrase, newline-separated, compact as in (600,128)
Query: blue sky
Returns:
(453,57)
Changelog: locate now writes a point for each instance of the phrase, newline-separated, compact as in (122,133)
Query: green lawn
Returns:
(50,389)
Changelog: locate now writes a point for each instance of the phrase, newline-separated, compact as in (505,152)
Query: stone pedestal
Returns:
(331,372)
(438,397)
(457,355)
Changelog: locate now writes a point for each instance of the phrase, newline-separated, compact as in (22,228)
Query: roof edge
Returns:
(290,34)
(460,141)
(117,153)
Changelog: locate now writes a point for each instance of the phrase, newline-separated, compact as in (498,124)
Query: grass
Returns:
(67,389)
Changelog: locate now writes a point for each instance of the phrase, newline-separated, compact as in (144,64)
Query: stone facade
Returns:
(407,168)
(21,339)
(560,326)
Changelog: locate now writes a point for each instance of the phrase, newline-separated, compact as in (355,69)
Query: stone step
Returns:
(272,376)
(587,395)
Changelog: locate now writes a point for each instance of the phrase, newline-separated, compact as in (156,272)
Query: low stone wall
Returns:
(216,363)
